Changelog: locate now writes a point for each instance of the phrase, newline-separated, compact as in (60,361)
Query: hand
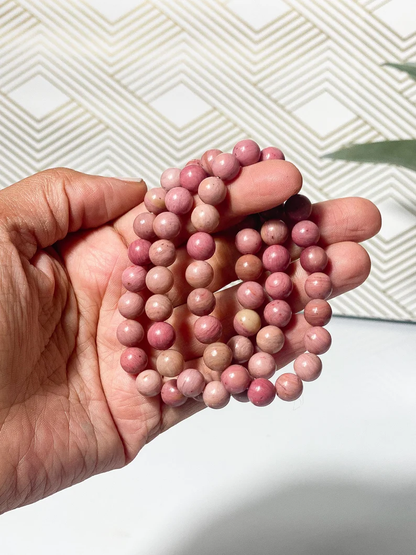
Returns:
(67,409)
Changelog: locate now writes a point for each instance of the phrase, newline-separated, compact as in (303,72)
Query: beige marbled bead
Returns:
(217,356)
(247,322)
(205,217)
(270,339)
(170,363)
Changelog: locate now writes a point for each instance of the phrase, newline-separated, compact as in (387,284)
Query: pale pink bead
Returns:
(131,305)
(207,159)
(276,258)
(305,233)
(274,232)
(235,379)
(170,363)
(262,365)
(248,241)
(298,208)
(318,286)
(212,190)
(250,294)
(170,178)
(207,329)
(191,176)
(217,356)
(201,301)
(277,313)
(179,200)
(158,308)
(247,152)
(247,322)
(133,278)
(199,273)
(241,347)
(314,259)
(308,367)
(278,285)
(289,387)
(159,280)
(205,217)
(143,226)
(261,392)
(270,339)
(171,395)
(317,340)
(149,383)
(318,312)
(130,333)
(133,360)
(154,200)
(200,246)
(215,395)
(271,153)
(161,336)
(139,252)
(162,253)
(167,225)
(191,382)
(225,166)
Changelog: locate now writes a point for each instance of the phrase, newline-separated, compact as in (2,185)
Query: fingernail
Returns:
(134,179)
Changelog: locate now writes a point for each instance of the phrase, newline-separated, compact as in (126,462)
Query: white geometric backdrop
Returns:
(130,87)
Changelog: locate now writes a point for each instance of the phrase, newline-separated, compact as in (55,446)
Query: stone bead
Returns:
(205,218)
(225,166)
(208,157)
(191,382)
(154,200)
(167,225)
(130,333)
(262,365)
(171,395)
(248,241)
(217,356)
(248,267)
(200,246)
(318,286)
(278,285)
(298,208)
(289,387)
(247,152)
(261,392)
(271,153)
(133,360)
(131,305)
(161,336)
(194,162)
(149,383)
(270,339)
(250,294)
(199,274)
(308,367)
(191,176)
(158,308)
(143,226)
(212,190)
(201,301)
(276,258)
(314,259)
(139,252)
(235,379)
(207,329)
(277,313)
(305,233)
(274,232)
(215,395)
(317,340)
(170,178)
(241,347)
(318,312)
(159,280)
(133,278)
(170,363)
(247,322)
(162,253)
(179,200)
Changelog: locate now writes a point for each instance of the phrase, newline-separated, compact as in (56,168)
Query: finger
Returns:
(45,207)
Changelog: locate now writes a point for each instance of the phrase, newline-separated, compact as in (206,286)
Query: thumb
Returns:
(44,208)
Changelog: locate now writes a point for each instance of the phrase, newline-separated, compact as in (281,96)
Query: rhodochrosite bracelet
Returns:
(245,364)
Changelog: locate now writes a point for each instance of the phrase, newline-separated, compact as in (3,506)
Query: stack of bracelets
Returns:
(245,364)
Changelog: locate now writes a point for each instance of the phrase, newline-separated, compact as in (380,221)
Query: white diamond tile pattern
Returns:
(134,86)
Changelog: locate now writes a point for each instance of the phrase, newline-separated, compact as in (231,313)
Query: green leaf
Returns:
(399,153)
(408,68)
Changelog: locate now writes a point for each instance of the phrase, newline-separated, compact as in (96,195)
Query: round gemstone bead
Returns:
(317,340)
(194,162)
(247,322)
(215,395)
(314,259)
(200,246)
(159,280)
(276,258)
(154,200)
(308,367)
(143,226)
(318,286)
(208,157)
(171,395)
(289,387)
(170,178)
(225,166)
(277,313)
(191,382)
(248,267)
(161,336)
(278,285)
(248,241)
(149,383)
(169,363)
(241,347)
(207,329)
(201,301)
(191,176)
(199,273)
(250,294)
(217,356)
(305,233)
(318,312)
(134,278)
(139,252)
(235,379)
(205,217)
(131,305)
(274,232)
(179,200)
(158,308)
(167,225)
(247,152)
(130,333)
(162,253)
(298,208)
(261,392)
(262,365)
(270,339)
(271,153)
(133,360)
(212,190)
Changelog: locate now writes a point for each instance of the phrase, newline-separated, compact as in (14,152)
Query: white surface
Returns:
(333,473)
